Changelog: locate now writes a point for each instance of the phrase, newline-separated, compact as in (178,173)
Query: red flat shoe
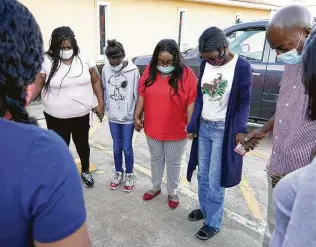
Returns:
(148,197)
(173,204)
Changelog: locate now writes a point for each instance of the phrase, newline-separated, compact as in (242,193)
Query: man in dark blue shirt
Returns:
(41,200)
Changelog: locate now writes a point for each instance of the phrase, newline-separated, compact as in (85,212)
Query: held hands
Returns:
(257,134)
(251,140)
(138,124)
(190,136)
(248,144)
(99,111)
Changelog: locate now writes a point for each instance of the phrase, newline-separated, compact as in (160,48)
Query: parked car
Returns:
(249,41)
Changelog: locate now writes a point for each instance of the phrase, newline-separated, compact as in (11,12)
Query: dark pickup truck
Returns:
(247,40)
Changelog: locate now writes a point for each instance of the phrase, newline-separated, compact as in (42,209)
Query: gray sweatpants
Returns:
(271,220)
(166,153)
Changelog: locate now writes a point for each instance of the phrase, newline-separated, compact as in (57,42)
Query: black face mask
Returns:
(220,60)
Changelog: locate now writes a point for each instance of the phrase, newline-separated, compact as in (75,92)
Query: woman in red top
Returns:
(167,94)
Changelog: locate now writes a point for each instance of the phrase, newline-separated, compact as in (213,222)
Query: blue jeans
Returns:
(122,135)
(211,194)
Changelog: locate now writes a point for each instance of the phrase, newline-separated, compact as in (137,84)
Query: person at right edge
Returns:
(41,195)
(294,195)
(294,135)
(218,124)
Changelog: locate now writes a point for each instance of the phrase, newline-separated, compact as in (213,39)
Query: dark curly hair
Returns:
(21,57)
(59,35)
(114,49)
(309,73)
(170,46)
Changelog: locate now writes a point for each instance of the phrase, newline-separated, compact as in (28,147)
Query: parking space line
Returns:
(255,226)
(135,136)
(94,129)
(78,164)
(259,155)
(183,181)
(250,199)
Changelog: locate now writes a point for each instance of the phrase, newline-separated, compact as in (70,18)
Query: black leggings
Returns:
(79,129)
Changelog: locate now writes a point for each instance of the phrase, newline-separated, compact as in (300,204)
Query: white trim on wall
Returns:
(99,3)
(183,27)
(237,4)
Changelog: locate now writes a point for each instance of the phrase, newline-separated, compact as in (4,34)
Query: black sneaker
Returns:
(87,179)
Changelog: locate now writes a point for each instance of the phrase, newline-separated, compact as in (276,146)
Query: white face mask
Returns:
(65,55)
(117,68)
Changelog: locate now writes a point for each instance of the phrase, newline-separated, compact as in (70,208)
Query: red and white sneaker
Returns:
(116,181)
(129,185)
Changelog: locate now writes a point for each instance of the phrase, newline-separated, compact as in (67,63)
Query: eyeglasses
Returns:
(165,63)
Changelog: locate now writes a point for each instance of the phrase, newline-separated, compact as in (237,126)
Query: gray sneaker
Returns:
(87,179)
(116,181)
(129,185)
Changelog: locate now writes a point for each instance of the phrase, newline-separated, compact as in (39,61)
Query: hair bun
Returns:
(112,43)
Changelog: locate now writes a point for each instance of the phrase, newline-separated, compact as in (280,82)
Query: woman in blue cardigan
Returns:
(217,125)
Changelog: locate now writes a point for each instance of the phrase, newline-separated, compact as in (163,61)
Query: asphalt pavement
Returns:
(118,219)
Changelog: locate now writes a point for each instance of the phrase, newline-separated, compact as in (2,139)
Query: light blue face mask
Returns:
(292,56)
(166,70)
(117,68)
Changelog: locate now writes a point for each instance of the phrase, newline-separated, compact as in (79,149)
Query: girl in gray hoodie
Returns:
(120,82)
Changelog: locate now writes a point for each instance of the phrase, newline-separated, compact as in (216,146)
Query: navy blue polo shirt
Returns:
(40,190)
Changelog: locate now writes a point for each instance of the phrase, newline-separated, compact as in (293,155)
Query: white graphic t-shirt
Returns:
(216,86)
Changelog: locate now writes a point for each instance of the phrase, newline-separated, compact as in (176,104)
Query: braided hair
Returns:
(21,57)
(60,35)
(309,73)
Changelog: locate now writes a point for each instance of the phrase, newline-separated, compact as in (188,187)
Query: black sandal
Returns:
(206,232)
(196,215)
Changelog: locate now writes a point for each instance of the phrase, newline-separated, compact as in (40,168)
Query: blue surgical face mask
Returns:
(292,56)
(166,70)
(117,68)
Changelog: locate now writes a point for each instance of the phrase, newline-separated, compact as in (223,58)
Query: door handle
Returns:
(255,74)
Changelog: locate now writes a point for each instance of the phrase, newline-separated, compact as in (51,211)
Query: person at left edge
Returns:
(67,81)
(220,118)
(41,195)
